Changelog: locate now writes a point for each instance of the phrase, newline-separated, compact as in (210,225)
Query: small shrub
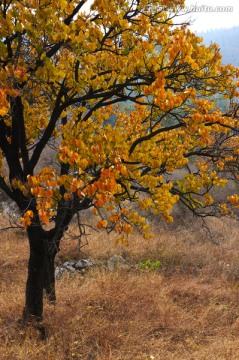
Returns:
(148,264)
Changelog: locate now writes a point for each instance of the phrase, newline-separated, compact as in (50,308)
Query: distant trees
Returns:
(64,73)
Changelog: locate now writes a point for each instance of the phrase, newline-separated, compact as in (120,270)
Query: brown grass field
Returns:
(188,308)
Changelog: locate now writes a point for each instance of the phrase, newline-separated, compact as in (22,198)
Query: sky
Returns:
(209,14)
(213,14)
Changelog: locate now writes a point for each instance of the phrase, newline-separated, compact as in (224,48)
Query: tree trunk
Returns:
(36,275)
(41,272)
(49,275)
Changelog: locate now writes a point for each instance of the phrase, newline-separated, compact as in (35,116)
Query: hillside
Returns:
(228,39)
(185,308)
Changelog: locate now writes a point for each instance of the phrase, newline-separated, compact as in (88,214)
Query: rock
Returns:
(58,272)
(83,264)
(70,266)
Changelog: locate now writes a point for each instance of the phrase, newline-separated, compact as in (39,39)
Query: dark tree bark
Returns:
(49,277)
(36,275)
(41,272)
(51,250)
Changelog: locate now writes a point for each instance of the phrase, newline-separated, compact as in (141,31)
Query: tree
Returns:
(64,73)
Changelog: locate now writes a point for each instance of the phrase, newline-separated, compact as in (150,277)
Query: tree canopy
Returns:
(65,74)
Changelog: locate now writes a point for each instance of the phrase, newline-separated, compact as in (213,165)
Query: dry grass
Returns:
(186,309)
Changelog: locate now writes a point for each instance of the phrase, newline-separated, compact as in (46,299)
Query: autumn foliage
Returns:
(124,98)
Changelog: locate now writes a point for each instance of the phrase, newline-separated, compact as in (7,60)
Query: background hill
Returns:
(228,39)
